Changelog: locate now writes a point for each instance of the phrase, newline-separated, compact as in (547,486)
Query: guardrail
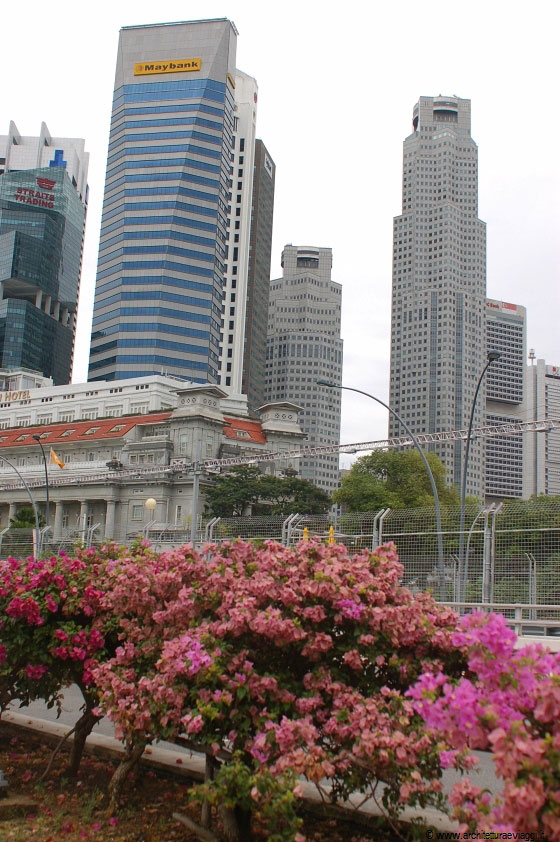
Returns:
(526,620)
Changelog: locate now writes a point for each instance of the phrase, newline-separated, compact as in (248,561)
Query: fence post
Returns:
(209,530)
(375,530)
(287,529)
(532,584)
(518,619)
(486,560)
(382,517)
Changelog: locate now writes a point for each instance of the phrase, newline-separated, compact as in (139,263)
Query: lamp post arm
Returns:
(441,566)
(34,505)
(464,473)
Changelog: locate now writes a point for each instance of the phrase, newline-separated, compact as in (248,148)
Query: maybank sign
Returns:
(176,65)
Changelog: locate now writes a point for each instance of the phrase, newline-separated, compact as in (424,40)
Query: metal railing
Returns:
(530,620)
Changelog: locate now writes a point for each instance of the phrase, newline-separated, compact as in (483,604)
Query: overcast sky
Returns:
(337,83)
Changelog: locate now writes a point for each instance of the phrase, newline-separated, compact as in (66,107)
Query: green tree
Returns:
(232,493)
(244,487)
(281,495)
(25,519)
(393,479)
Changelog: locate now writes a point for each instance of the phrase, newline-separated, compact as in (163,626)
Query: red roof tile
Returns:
(235,428)
(102,428)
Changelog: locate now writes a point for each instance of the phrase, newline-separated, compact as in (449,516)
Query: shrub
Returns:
(509,703)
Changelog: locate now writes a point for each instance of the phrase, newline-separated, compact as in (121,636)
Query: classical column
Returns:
(47,304)
(58,512)
(12,512)
(56,312)
(110,520)
(38,298)
(84,511)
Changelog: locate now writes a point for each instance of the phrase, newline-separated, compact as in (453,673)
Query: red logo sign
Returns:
(45,183)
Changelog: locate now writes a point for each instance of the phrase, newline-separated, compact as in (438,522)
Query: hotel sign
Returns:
(175,65)
(8,397)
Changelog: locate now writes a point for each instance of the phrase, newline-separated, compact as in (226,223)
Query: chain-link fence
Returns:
(510,554)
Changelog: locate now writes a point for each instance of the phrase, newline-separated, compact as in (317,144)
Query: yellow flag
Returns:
(55,459)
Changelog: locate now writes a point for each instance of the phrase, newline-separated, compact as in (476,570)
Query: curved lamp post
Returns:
(492,356)
(37,438)
(441,566)
(33,504)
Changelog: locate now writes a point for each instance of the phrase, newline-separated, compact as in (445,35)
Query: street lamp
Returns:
(37,438)
(151,505)
(441,566)
(491,357)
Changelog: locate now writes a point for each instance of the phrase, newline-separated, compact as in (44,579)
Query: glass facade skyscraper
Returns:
(158,300)
(42,217)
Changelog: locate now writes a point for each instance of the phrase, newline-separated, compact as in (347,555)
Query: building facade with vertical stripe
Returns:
(161,266)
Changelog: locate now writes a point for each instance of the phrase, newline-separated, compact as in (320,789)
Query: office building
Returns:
(162,255)
(174,258)
(439,284)
(43,203)
(542,450)
(258,280)
(506,332)
(238,233)
(304,345)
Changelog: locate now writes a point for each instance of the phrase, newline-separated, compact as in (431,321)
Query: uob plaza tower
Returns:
(162,251)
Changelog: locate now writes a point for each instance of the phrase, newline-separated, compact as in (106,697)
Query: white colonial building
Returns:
(123,443)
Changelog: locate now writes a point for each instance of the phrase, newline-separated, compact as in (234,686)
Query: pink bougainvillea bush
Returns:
(52,631)
(508,703)
(276,663)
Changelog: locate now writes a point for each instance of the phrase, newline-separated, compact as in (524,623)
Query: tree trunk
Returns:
(132,755)
(209,770)
(82,730)
(236,823)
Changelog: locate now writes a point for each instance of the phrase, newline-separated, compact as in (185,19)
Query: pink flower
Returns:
(35,671)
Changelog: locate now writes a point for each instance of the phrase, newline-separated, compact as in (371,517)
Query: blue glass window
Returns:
(172,147)
(162,312)
(163,205)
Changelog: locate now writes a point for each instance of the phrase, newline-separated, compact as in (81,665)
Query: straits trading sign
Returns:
(175,65)
(42,198)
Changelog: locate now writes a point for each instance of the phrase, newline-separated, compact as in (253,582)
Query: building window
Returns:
(137,513)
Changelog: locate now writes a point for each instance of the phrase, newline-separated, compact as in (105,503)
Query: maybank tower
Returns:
(163,271)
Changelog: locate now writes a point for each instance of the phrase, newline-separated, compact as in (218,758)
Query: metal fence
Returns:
(511,554)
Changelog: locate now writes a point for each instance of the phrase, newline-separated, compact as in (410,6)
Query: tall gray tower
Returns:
(304,345)
(438,346)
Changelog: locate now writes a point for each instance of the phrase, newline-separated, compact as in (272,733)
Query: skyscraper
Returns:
(162,255)
(541,469)
(304,345)
(506,332)
(43,203)
(238,233)
(438,347)
(258,279)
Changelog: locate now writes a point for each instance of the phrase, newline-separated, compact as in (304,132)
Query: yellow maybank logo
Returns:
(176,65)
